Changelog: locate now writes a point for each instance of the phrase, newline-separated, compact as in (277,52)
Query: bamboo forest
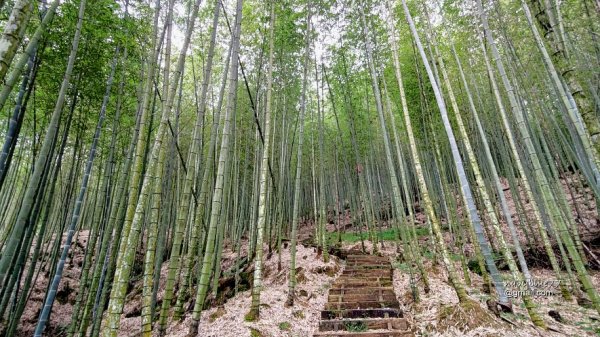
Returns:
(299,168)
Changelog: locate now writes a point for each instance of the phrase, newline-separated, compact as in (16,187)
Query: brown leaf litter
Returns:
(276,320)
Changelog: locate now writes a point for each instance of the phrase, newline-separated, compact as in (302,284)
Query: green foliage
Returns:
(298,314)
(386,235)
(251,316)
(454,257)
(428,254)
(255,333)
(107,26)
(285,326)
(356,326)
(589,326)
(401,266)
(474,266)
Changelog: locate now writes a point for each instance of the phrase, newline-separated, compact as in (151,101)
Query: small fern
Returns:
(356,326)
(285,326)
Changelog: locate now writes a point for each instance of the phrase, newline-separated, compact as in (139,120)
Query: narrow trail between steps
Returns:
(362,302)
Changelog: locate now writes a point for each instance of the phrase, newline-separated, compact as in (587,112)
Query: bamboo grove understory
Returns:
(155,135)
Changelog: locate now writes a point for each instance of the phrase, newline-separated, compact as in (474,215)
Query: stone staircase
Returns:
(362,302)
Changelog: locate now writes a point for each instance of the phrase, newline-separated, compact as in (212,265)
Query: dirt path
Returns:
(362,302)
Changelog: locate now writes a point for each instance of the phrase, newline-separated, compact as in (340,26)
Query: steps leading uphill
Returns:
(362,302)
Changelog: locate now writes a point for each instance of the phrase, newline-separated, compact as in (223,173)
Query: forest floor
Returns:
(438,312)
(313,276)
(314,280)
(435,315)
(65,296)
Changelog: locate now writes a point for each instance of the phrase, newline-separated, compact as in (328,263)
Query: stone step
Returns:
(372,304)
(362,313)
(370,324)
(363,282)
(349,297)
(369,267)
(366,257)
(364,267)
(368,272)
(364,277)
(362,301)
(368,260)
(371,289)
(386,333)
(367,263)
